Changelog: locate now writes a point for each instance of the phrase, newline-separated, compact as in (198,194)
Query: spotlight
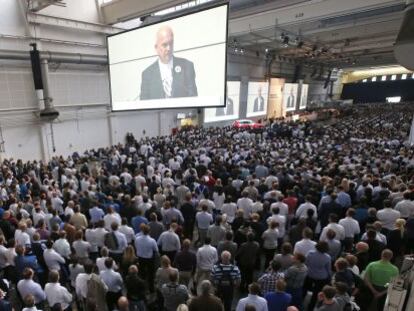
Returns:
(242,51)
(266,50)
(236,50)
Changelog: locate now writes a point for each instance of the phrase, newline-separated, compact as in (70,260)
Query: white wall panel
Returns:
(22,142)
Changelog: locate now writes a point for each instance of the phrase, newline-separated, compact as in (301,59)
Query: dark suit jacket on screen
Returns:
(183,84)
(221,111)
(258,104)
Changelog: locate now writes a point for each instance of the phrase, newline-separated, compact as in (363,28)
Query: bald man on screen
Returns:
(168,76)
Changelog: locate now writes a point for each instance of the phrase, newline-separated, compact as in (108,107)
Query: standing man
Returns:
(378,274)
(225,276)
(258,101)
(168,76)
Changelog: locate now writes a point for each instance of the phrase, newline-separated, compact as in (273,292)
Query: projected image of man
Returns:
(227,110)
(258,101)
(168,76)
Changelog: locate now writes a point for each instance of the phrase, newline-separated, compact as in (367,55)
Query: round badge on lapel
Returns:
(177,69)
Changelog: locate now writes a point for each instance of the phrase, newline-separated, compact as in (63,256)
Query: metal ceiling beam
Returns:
(310,11)
(42,19)
(38,5)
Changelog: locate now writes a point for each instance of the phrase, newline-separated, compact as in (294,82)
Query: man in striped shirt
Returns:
(225,277)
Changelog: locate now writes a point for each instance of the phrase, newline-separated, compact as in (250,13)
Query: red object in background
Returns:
(247,124)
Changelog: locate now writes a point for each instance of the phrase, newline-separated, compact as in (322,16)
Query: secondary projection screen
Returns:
(176,63)
(304,96)
(290,93)
(257,99)
(231,110)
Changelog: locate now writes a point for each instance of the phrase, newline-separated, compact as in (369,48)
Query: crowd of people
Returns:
(296,216)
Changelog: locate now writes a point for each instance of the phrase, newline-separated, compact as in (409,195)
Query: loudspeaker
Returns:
(36,68)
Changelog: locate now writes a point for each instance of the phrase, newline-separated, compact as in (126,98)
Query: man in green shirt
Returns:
(378,274)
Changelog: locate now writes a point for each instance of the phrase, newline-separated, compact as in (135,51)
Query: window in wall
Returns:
(384,78)
(374,79)
(394,77)
(404,76)
(365,80)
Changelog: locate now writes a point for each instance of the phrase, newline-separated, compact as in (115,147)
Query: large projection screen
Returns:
(257,99)
(231,110)
(177,63)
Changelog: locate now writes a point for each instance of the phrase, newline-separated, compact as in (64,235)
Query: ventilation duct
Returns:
(404,46)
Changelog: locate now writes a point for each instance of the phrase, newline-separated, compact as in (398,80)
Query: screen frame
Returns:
(258,80)
(169,18)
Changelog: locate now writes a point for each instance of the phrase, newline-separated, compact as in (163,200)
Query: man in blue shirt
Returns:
(137,221)
(278,300)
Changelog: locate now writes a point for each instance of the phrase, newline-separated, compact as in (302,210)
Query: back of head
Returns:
(329,292)
(254,288)
(205,287)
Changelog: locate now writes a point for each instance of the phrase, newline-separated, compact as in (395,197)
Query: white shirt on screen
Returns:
(166,73)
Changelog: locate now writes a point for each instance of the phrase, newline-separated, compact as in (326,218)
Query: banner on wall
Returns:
(304,96)
(290,93)
(231,110)
(275,103)
(257,96)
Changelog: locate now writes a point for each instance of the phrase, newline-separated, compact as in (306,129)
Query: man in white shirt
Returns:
(206,259)
(127,231)
(21,237)
(351,227)
(405,206)
(305,245)
(245,204)
(339,230)
(111,217)
(62,245)
(56,293)
(52,259)
(387,216)
(283,207)
(302,210)
(253,299)
(281,220)
(204,219)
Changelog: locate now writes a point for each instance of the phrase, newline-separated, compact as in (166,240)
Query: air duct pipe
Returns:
(404,45)
(58,57)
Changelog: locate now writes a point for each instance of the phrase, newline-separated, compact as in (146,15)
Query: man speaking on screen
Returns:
(168,76)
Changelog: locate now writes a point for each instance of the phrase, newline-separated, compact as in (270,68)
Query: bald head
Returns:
(362,247)
(164,44)
(123,303)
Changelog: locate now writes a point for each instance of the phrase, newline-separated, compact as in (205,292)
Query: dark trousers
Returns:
(269,254)
(297,297)
(225,293)
(315,286)
(188,229)
(147,271)
(380,300)
(112,299)
(246,276)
